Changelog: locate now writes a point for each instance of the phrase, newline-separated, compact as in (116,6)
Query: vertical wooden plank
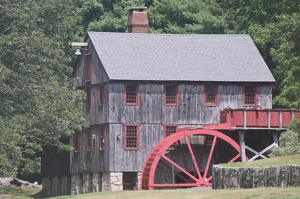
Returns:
(242,145)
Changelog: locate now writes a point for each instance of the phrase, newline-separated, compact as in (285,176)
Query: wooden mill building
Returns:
(141,88)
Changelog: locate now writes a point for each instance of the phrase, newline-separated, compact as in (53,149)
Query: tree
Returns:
(39,103)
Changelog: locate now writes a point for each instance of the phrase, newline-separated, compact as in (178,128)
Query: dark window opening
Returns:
(76,142)
(131,137)
(89,139)
(169,130)
(131,94)
(211,93)
(249,95)
(171,95)
(129,181)
(101,132)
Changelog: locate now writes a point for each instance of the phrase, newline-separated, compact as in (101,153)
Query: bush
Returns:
(288,144)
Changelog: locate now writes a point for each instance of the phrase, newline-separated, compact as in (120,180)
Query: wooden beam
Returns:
(242,145)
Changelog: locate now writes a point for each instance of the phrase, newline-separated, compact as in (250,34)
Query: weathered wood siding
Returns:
(90,161)
(151,115)
(99,74)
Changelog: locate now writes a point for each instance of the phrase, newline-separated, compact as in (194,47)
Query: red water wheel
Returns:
(191,163)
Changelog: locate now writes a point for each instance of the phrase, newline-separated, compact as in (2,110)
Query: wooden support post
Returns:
(242,145)
(275,138)
(245,119)
(269,119)
(280,119)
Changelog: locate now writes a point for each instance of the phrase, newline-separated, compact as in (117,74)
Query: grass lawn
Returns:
(274,192)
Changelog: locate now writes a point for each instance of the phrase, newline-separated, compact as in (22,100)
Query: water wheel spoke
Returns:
(177,166)
(210,156)
(183,156)
(193,156)
(235,158)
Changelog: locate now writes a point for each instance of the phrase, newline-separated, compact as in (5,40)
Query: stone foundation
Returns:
(253,177)
(116,181)
(47,186)
(86,183)
(65,185)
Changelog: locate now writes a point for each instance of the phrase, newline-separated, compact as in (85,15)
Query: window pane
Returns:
(101,138)
(211,92)
(171,94)
(249,94)
(131,94)
(131,137)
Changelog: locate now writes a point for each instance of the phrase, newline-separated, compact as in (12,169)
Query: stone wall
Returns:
(253,177)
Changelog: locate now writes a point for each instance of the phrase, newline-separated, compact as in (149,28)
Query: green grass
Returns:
(275,161)
(274,192)
(259,193)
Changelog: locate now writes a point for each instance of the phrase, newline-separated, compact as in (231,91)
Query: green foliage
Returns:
(39,103)
(288,144)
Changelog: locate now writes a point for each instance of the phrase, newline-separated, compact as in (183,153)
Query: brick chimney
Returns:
(138,20)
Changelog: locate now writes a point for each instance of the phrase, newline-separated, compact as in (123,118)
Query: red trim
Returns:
(89,139)
(176,95)
(76,142)
(88,101)
(216,95)
(127,138)
(255,95)
(101,138)
(88,69)
(131,98)
(172,147)
(101,95)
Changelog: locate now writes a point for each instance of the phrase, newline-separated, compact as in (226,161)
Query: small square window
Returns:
(101,95)
(131,138)
(250,96)
(89,139)
(211,95)
(171,95)
(169,130)
(101,138)
(131,94)
(76,142)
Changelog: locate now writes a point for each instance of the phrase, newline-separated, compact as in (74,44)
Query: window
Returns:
(210,95)
(131,138)
(88,69)
(76,143)
(88,101)
(169,130)
(89,139)
(101,138)
(131,94)
(171,95)
(101,95)
(250,95)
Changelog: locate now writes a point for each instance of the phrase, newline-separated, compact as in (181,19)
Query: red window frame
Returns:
(169,129)
(171,95)
(250,95)
(88,101)
(211,95)
(89,139)
(101,95)
(76,142)
(131,94)
(88,69)
(131,137)
(101,137)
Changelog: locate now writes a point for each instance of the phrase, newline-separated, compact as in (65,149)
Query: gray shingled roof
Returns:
(178,57)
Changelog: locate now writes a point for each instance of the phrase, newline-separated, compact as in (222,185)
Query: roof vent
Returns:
(138,20)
